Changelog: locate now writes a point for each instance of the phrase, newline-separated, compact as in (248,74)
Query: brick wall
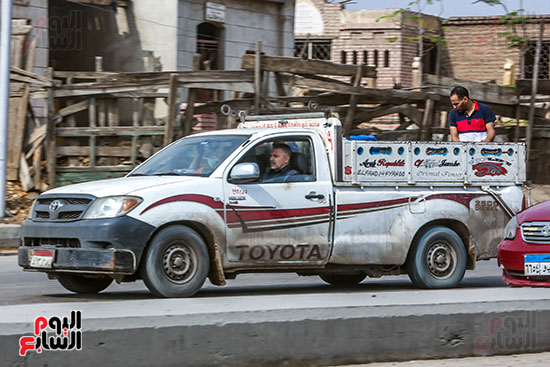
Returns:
(475,51)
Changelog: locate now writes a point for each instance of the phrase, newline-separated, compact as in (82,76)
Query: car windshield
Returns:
(192,156)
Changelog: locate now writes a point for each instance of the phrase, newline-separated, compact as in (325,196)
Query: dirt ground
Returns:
(19,202)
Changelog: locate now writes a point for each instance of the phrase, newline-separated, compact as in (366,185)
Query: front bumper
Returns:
(78,260)
(510,259)
(113,245)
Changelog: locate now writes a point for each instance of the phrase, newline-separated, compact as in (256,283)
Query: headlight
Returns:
(112,206)
(510,229)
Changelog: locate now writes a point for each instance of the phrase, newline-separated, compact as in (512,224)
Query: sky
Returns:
(455,8)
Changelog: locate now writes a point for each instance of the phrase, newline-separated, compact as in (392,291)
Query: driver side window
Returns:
(288,160)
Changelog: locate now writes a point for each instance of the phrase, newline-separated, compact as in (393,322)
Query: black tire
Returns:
(437,259)
(83,285)
(176,263)
(343,279)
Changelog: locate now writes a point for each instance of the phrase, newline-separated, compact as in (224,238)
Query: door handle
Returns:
(313,195)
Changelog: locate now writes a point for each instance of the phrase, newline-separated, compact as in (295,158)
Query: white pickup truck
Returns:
(202,207)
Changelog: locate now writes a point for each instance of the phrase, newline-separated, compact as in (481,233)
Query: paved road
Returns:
(18,287)
(514,360)
(266,309)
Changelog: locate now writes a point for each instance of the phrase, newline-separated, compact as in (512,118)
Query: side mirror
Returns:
(245,172)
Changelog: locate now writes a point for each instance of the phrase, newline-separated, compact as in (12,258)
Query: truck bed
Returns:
(432,163)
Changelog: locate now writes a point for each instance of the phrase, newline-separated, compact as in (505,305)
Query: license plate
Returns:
(536,264)
(41,258)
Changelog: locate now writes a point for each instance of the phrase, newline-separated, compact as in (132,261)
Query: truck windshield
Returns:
(192,156)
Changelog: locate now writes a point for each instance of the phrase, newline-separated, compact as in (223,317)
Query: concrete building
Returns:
(143,35)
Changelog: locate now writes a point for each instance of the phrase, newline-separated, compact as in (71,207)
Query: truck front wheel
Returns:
(176,263)
(343,279)
(437,259)
(83,285)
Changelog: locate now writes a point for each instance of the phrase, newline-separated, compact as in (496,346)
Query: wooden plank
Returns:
(281,92)
(426,119)
(112,112)
(385,96)
(14,69)
(104,91)
(297,65)
(16,54)
(110,131)
(348,123)
(214,107)
(37,166)
(243,87)
(159,76)
(172,110)
(20,30)
(16,132)
(74,108)
(483,92)
(162,78)
(100,151)
(257,77)
(523,86)
(191,96)
(84,75)
(26,79)
(51,158)
(30,55)
(24,175)
(405,109)
(36,138)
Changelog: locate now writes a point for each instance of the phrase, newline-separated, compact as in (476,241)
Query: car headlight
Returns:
(112,206)
(510,229)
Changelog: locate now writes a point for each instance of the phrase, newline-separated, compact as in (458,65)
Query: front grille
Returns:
(536,232)
(57,208)
(70,215)
(55,242)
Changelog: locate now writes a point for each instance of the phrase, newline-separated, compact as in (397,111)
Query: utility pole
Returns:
(5,38)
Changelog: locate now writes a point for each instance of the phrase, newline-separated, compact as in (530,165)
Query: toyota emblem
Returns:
(546,231)
(55,205)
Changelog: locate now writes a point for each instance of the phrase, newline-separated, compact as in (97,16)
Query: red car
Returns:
(524,253)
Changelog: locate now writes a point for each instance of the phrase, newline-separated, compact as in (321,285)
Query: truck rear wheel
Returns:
(83,285)
(343,279)
(176,263)
(437,259)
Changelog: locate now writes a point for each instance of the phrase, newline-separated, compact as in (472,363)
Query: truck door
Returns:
(281,219)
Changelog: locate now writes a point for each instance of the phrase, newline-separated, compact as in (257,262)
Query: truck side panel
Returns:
(378,225)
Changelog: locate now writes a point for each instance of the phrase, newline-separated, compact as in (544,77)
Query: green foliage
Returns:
(510,20)
(393,15)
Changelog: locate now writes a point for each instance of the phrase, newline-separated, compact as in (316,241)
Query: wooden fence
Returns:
(88,138)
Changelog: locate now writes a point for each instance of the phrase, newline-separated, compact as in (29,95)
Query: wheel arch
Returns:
(215,274)
(459,228)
